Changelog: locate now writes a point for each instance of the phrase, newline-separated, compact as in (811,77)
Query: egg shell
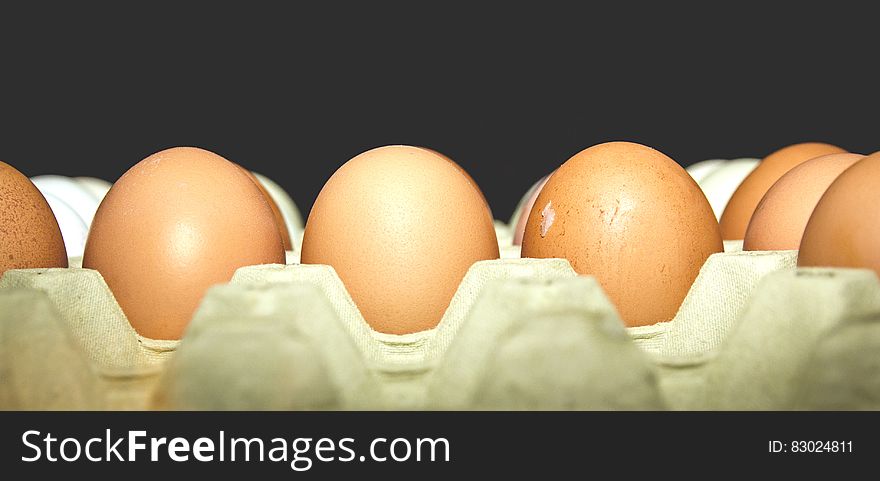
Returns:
(720,185)
(699,170)
(401,226)
(292,217)
(780,218)
(71,192)
(95,186)
(279,217)
(29,233)
(633,218)
(532,195)
(176,223)
(467,175)
(843,230)
(735,219)
(74,230)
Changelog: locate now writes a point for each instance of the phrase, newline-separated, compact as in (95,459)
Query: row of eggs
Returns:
(401,225)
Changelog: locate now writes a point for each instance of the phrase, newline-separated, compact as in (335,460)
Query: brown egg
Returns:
(279,218)
(400,225)
(466,174)
(843,230)
(176,223)
(779,220)
(633,218)
(531,195)
(741,205)
(29,233)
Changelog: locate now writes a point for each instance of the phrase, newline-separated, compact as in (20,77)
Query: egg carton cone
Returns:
(504,234)
(510,252)
(733,245)
(267,347)
(41,365)
(763,362)
(126,363)
(402,362)
(843,372)
(533,344)
(713,304)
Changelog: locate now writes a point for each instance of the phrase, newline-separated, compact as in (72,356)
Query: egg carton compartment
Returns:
(843,371)
(496,347)
(762,363)
(41,365)
(713,304)
(504,234)
(291,337)
(267,347)
(125,363)
(533,344)
(401,362)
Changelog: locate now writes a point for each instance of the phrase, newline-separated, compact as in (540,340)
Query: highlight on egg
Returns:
(173,225)
(631,217)
(401,226)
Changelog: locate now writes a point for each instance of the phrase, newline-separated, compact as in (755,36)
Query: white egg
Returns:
(720,185)
(73,229)
(517,212)
(95,186)
(285,204)
(71,192)
(700,170)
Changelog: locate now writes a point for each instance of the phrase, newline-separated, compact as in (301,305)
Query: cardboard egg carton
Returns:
(843,370)
(86,317)
(518,334)
(493,298)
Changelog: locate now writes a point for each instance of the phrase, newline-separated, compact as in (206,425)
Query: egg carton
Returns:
(405,368)
(123,364)
(451,367)
(768,358)
(518,334)
(843,370)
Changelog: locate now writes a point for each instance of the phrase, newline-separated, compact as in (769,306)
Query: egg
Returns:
(843,230)
(525,207)
(720,184)
(401,226)
(633,218)
(291,214)
(74,230)
(29,234)
(176,223)
(95,186)
(71,193)
(279,217)
(699,170)
(780,218)
(467,175)
(741,206)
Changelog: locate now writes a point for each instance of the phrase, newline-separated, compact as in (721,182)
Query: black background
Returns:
(508,92)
